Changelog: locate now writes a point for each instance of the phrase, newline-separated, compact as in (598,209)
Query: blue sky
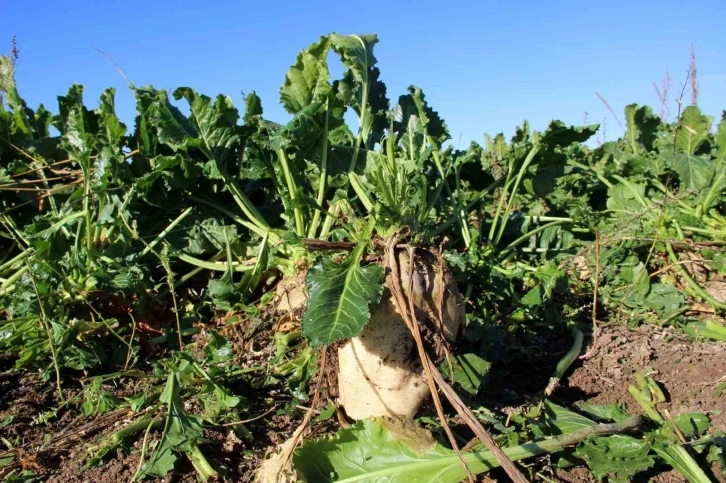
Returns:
(485,66)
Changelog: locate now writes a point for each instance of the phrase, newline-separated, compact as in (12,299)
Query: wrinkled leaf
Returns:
(618,456)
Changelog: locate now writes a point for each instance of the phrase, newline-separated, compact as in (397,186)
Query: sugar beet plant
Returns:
(122,242)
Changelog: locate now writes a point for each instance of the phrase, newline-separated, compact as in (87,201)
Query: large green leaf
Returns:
(398,451)
(693,130)
(172,127)
(215,123)
(623,199)
(356,53)
(339,298)
(694,171)
(360,86)
(559,134)
(414,120)
(379,451)
(22,115)
(604,412)
(721,138)
(641,129)
(564,421)
(308,79)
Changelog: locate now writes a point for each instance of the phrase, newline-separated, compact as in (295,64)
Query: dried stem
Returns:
(693,77)
(607,105)
(596,283)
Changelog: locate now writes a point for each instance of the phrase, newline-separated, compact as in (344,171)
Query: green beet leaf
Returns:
(307,80)
(379,450)
(564,421)
(618,456)
(397,451)
(470,371)
(693,130)
(694,171)
(181,431)
(339,298)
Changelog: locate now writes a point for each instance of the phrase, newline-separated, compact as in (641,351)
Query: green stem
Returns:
(15,260)
(87,211)
(135,427)
(323,174)
(527,161)
(274,237)
(201,464)
(292,189)
(602,179)
(565,363)
(691,285)
(246,206)
(443,226)
(531,233)
(644,400)
(703,231)
(328,224)
(461,215)
(360,191)
(363,112)
(500,205)
(124,206)
(9,283)
(166,231)
(216,266)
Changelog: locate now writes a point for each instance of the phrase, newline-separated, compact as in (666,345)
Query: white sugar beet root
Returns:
(380,372)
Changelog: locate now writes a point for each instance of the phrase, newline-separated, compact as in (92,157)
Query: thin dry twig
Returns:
(693,77)
(110,59)
(47,166)
(682,262)
(245,421)
(675,427)
(607,106)
(595,329)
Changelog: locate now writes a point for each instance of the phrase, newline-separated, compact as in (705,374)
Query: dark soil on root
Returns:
(688,371)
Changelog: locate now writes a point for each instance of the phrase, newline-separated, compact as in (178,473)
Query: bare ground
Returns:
(688,371)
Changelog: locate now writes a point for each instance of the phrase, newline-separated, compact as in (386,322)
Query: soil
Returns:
(688,371)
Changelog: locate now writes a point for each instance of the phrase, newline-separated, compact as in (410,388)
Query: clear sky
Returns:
(485,66)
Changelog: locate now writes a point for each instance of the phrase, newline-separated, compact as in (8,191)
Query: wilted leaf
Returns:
(181,431)
(618,456)
(664,298)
